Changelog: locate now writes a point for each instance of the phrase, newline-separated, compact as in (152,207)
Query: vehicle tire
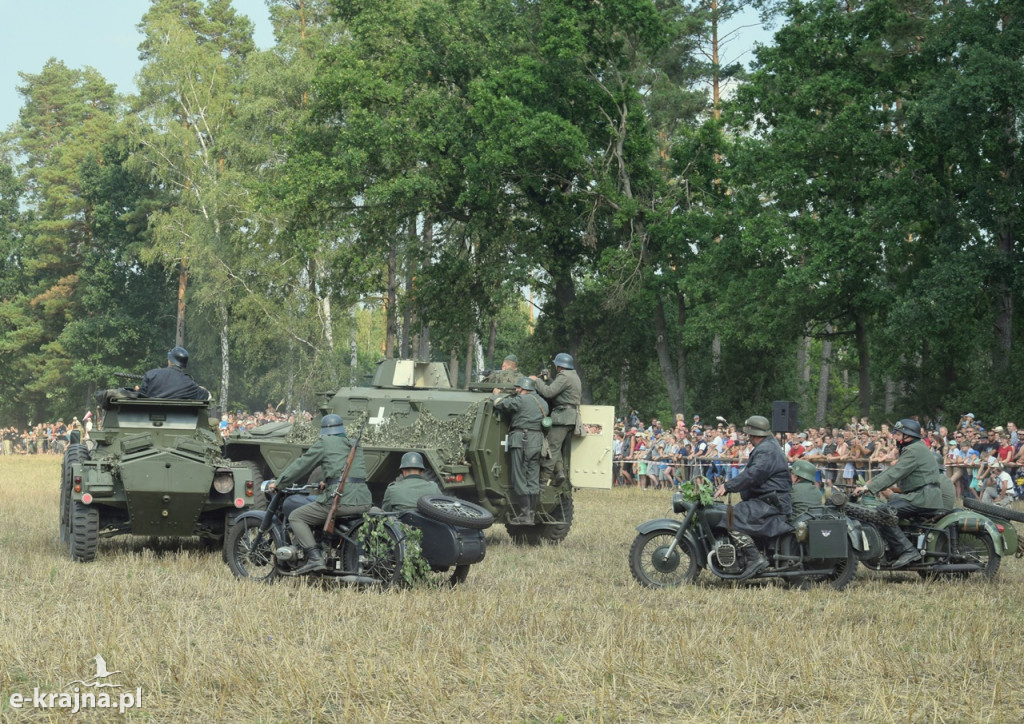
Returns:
(554,532)
(651,567)
(73,454)
(874,516)
(843,573)
(454,511)
(382,559)
(974,548)
(994,510)
(244,557)
(85,531)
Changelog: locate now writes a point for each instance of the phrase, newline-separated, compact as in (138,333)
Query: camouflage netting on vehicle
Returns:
(426,433)
(303,433)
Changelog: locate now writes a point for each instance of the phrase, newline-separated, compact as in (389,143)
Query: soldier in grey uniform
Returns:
(330,451)
(404,493)
(564,393)
(525,410)
(918,476)
(805,493)
(508,373)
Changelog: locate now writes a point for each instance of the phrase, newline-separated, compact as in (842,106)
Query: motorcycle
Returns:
(822,547)
(953,543)
(366,549)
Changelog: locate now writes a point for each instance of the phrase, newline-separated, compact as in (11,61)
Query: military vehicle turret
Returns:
(153,468)
(412,406)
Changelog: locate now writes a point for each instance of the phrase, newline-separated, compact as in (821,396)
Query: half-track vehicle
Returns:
(154,468)
(411,405)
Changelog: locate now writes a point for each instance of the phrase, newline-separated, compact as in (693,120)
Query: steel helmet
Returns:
(564,360)
(412,460)
(758,426)
(525,382)
(908,427)
(803,469)
(332,425)
(178,357)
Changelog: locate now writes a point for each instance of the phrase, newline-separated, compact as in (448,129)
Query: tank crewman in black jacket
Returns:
(172,382)
(764,486)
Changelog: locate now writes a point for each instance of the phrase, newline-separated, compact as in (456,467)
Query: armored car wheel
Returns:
(652,564)
(85,531)
(454,511)
(246,557)
(74,454)
(996,511)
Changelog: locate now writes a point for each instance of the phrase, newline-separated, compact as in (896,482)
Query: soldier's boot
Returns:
(755,560)
(525,516)
(314,562)
(899,545)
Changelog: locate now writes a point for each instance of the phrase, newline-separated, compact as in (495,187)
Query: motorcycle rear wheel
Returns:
(654,568)
(974,548)
(380,558)
(247,560)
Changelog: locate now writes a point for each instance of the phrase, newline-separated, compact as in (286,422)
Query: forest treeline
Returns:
(461,179)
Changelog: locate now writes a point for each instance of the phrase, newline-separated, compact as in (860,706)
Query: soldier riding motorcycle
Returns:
(818,544)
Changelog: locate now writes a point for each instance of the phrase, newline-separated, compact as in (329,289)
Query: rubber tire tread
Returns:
(869,515)
(478,519)
(85,532)
(75,453)
(994,510)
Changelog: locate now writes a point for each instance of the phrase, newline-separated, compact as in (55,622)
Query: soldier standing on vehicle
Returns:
(917,473)
(764,487)
(508,373)
(331,451)
(564,393)
(404,493)
(525,410)
(805,493)
(172,382)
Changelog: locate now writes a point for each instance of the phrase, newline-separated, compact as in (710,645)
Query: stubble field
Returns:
(548,634)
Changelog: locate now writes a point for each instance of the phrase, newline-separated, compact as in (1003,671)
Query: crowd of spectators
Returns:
(51,438)
(977,459)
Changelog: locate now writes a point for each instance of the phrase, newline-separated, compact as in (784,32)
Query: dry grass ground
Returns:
(550,634)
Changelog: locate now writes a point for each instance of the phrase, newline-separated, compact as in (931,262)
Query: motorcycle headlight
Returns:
(678,503)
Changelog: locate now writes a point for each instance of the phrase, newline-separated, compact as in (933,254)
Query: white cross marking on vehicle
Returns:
(379,418)
(504,443)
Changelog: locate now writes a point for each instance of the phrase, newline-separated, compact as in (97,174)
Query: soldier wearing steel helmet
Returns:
(403,493)
(564,393)
(764,486)
(330,451)
(805,493)
(917,474)
(525,410)
(172,382)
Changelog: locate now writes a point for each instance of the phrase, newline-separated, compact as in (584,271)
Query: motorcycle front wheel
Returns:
(654,566)
(248,558)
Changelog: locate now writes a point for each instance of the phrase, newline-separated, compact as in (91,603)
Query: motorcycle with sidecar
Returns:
(953,543)
(822,547)
(365,549)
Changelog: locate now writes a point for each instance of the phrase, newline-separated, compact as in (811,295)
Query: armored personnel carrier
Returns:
(154,469)
(412,406)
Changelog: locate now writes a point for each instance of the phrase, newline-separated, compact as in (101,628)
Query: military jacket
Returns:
(331,451)
(171,383)
(805,495)
(917,473)
(766,474)
(405,492)
(565,393)
(525,412)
